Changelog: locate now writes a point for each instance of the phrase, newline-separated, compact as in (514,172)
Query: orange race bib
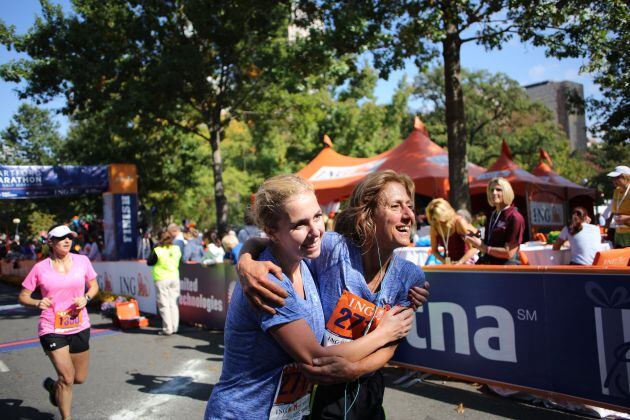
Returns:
(350,318)
(293,395)
(67,320)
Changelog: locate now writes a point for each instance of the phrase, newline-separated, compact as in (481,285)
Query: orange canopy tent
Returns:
(519,178)
(334,175)
(541,202)
(544,171)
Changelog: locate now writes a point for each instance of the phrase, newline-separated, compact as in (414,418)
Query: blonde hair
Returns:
(506,187)
(272,195)
(357,220)
(439,212)
(229,241)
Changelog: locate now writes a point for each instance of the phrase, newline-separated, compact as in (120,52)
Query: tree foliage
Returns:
(32,138)
(423,30)
(192,65)
(498,108)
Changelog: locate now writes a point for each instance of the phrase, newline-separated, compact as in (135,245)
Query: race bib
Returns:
(293,395)
(350,318)
(67,320)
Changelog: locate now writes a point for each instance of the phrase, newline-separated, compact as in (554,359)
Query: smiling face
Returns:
(299,234)
(61,246)
(495,193)
(394,216)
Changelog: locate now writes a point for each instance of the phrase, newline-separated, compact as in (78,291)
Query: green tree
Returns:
(395,31)
(32,138)
(192,65)
(498,108)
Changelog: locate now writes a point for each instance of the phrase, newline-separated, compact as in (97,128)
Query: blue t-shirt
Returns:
(253,360)
(340,267)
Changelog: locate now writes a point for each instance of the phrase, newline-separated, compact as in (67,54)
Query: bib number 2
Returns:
(293,395)
(350,318)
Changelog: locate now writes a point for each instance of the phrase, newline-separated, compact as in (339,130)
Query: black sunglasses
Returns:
(61,238)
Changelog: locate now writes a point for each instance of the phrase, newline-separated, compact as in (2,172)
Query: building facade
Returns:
(566,101)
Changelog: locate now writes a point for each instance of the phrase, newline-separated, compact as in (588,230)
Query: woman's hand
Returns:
(396,323)
(328,370)
(473,241)
(262,293)
(418,296)
(45,303)
(80,302)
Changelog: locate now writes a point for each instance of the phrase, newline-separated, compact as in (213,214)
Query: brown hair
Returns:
(357,220)
(269,201)
(582,214)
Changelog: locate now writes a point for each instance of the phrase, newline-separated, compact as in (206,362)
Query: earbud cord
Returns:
(365,331)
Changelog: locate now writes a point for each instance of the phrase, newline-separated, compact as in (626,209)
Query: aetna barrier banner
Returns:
(129,278)
(204,294)
(564,333)
(51,181)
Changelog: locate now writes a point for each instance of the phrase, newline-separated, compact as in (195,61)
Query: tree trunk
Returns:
(459,194)
(217,168)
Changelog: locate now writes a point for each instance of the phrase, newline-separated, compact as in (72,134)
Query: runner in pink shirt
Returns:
(64,326)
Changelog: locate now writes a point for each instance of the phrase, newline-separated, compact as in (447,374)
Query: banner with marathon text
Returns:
(565,333)
(17,182)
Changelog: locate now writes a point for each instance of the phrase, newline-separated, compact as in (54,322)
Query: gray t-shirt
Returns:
(584,244)
(253,361)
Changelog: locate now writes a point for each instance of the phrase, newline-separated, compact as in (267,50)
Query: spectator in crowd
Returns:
(585,238)
(165,260)
(215,252)
(28,251)
(145,245)
(448,230)
(178,236)
(193,249)
(91,248)
(504,229)
(249,230)
(620,206)
(232,247)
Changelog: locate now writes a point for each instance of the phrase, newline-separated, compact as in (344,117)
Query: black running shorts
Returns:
(78,342)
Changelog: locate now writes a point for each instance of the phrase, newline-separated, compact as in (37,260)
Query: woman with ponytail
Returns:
(585,239)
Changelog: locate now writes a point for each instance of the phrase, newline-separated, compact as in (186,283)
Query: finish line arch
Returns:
(118,184)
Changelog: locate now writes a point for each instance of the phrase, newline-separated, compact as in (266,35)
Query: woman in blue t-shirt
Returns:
(356,273)
(259,377)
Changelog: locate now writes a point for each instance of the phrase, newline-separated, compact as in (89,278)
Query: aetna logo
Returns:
(503,333)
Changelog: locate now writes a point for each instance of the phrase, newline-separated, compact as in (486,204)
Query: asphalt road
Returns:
(140,375)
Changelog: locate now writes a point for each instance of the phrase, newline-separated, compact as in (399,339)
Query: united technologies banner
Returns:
(566,333)
(51,181)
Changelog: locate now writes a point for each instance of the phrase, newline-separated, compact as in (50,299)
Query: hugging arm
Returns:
(299,341)
(261,292)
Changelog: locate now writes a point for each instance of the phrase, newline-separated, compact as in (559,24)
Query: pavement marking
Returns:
(195,370)
(34,342)
(3,367)
(11,307)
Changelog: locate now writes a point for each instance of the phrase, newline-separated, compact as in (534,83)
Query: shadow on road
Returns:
(13,409)
(491,404)
(172,385)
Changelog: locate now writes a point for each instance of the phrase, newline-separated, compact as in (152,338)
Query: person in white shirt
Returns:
(215,252)
(585,239)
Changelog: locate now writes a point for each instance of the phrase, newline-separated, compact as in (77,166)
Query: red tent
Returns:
(334,175)
(544,171)
(541,202)
(519,178)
